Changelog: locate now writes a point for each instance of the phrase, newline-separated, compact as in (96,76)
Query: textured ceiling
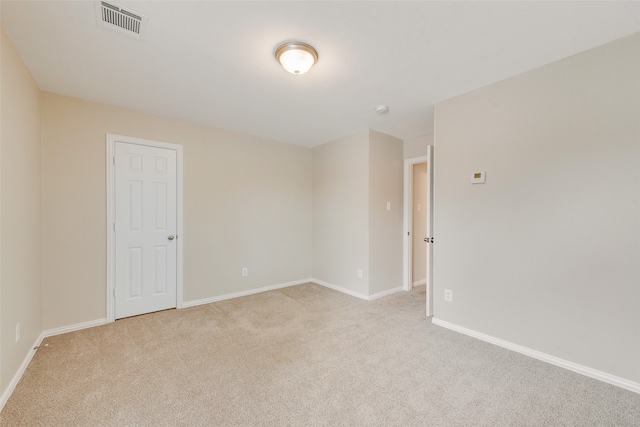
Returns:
(212,62)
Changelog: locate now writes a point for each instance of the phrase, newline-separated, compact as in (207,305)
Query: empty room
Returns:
(319,213)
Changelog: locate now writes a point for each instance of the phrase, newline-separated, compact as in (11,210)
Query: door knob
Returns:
(170,237)
(426,239)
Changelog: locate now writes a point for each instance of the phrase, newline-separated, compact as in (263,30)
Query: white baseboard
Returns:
(580,369)
(243,293)
(357,294)
(340,289)
(14,381)
(419,283)
(384,293)
(48,333)
(98,322)
(72,328)
(209,300)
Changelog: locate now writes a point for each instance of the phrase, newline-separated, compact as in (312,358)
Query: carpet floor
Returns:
(301,356)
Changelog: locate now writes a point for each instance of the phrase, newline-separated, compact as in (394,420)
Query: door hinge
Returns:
(114,292)
(114,160)
(114,226)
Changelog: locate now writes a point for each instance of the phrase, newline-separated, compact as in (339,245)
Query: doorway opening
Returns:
(418,225)
(144,226)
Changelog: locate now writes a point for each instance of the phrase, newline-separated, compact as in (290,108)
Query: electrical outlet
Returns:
(448,295)
(245,271)
(18,332)
(359,274)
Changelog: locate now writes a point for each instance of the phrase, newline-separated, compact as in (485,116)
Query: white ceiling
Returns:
(212,62)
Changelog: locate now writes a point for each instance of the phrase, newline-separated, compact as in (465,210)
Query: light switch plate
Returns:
(478,178)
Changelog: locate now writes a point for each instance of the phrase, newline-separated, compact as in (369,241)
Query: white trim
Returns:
(48,333)
(566,364)
(408,219)
(286,285)
(340,289)
(99,322)
(385,293)
(16,378)
(110,155)
(73,328)
(430,230)
(110,150)
(420,283)
(243,293)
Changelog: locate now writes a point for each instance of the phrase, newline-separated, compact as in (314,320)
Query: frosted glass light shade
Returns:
(296,57)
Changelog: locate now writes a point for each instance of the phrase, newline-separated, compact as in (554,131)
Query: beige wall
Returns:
(247,203)
(545,254)
(341,212)
(385,227)
(419,217)
(353,179)
(417,146)
(20,212)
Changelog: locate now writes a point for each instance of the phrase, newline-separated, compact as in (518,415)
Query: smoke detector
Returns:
(382,109)
(124,21)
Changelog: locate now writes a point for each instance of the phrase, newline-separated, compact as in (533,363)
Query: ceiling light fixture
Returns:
(296,57)
(382,109)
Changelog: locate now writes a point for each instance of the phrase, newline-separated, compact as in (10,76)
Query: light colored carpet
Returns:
(301,356)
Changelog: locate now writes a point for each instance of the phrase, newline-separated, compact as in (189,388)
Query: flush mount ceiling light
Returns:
(296,57)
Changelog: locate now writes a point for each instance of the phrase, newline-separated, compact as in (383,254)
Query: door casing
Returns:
(111,140)
(407,284)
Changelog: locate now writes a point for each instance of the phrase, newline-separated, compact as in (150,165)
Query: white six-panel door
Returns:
(145,229)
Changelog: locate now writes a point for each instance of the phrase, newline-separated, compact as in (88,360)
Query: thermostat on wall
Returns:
(477,178)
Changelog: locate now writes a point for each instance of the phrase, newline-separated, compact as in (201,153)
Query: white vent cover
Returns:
(121,20)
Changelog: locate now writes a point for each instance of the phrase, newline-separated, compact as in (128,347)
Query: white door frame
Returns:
(407,282)
(430,233)
(111,140)
(407,252)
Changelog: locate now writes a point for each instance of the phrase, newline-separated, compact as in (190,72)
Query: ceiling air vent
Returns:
(121,20)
